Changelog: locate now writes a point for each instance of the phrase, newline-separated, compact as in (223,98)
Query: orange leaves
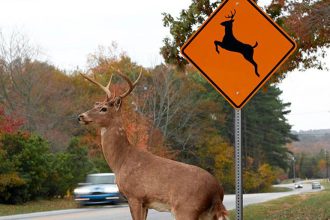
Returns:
(143,134)
(137,127)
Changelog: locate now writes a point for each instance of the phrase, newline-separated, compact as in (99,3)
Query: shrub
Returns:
(25,165)
(28,170)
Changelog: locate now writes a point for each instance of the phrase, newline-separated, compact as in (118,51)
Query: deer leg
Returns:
(217,43)
(255,67)
(249,57)
(146,214)
(138,211)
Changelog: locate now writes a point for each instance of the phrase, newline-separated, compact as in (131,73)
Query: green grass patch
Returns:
(37,206)
(309,206)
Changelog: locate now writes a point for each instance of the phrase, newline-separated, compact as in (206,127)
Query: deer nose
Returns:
(80,117)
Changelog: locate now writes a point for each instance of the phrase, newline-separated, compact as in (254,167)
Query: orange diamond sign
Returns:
(237,49)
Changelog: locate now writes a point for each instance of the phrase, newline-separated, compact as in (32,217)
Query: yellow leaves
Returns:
(322,164)
(251,181)
(260,179)
(265,170)
(267,174)
(10,180)
(222,154)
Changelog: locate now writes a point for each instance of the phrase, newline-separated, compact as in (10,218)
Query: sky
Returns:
(66,31)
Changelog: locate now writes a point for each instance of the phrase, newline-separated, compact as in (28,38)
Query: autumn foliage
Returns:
(8,124)
(173,112)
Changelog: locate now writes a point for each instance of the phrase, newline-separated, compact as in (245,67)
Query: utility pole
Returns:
(294,169)
(327,163)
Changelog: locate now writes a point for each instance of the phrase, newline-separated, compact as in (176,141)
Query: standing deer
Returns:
(229,42)
(149,181)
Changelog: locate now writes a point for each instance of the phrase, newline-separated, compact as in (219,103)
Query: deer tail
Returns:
(220,211)
(255,45)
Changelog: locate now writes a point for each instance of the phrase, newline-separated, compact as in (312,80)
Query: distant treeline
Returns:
(312,154)
(312,141)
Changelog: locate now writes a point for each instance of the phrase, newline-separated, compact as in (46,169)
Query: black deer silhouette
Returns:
(229,42)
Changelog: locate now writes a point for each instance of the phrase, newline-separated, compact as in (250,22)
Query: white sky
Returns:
(309,94)
(68,30)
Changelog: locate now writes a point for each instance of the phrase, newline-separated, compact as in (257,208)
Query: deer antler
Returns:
(232,15)
(130,84)
(105,89)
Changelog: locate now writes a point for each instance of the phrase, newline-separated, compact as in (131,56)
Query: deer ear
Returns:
(117,103)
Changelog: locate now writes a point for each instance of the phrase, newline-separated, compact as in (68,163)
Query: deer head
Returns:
(104,112)
(225,23)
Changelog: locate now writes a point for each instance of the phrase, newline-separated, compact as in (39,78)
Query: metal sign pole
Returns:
(238,166)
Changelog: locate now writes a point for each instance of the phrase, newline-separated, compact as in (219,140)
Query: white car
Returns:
(298,185)
(100,188)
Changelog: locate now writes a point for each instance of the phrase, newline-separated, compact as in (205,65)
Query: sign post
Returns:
(237,49)
(238,165)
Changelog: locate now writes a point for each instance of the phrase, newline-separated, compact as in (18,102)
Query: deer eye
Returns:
(103,109)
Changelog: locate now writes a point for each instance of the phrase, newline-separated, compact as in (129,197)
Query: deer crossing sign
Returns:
(237,49)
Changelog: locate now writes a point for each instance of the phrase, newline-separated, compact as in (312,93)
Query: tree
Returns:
(70,167)
(10,181)
(309,24)
(176,104)
(217,156)
(266,130)
(27,164)
(8,124)
(35,91)
(182,28)
(28,170)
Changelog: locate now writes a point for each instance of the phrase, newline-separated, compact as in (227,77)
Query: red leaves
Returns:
(8,124)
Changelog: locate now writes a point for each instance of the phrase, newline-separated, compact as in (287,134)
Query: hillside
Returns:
(311,141)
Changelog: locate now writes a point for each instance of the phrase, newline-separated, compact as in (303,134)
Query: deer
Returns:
(146,180)
(230,43)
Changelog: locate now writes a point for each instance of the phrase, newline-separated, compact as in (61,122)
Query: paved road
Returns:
(121,212)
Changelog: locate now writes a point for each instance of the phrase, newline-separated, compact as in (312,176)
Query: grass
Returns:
(37,206)
(310,206)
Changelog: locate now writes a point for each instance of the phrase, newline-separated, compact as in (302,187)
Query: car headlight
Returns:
(82,191)
(110,190)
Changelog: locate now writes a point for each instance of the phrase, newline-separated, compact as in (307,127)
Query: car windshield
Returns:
(104,179)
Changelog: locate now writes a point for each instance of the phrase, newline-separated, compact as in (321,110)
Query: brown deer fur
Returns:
(149,181)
